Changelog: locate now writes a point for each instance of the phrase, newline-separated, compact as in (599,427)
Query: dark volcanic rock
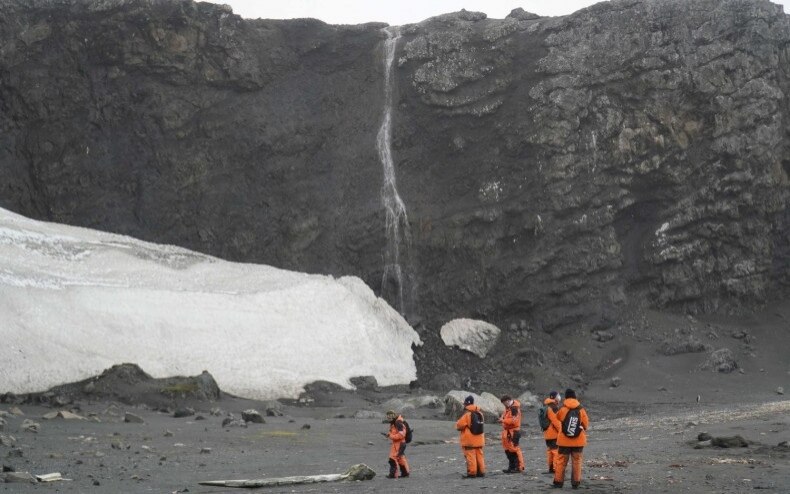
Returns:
(676,344)
(721,360)
(729,442)
(553,169)
(129,384)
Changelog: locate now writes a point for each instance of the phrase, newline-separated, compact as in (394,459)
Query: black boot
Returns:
(512,461)
(403,471)
(393,470)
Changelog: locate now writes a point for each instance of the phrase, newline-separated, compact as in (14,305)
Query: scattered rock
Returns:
(7,441)
(205,451)
(62,414)
(2,424)
(703,444)
(15,453)
(30,426)
(306,427)
(252,416)
(368,414)
(603,336)
(132,418)
(16,411)
(676,345)
(704,436)
(233,422)
(615,382)
(730,442)
(477,337)
(780,390)
(168,433)
(118,444)
(184,412)
(216,412)
(274,409)
(721,360)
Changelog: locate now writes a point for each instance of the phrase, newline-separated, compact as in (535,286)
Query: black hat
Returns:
(569,393)
(469,400)
(553,394)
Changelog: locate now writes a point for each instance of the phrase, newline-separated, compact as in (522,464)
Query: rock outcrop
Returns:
(553,169)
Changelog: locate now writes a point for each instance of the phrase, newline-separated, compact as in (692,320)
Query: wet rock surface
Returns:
(554,170)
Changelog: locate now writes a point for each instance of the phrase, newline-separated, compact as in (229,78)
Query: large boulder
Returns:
(474,336)
(489,404)
(411,403)
(721,360)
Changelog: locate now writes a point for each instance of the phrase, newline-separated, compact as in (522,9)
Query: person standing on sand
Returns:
(397,434)
(511,434)
(572,422)
(551,406)
(472,438)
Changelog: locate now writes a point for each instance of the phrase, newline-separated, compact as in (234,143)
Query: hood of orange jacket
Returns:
(571,403)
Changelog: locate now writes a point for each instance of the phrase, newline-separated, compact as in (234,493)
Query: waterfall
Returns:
(396,223)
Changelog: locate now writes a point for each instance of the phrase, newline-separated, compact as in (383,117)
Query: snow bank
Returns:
(75,301)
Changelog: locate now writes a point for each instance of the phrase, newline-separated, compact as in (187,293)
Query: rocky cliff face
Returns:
(554,170)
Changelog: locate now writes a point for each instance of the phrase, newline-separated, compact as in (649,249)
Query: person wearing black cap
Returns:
(551,406)
(572,423)
(511,434)
(472,438)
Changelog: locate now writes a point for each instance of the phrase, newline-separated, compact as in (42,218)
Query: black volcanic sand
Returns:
(642,437)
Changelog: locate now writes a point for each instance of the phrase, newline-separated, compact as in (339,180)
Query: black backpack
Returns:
(476,424)
(409,432)
(572,423)
(543,417)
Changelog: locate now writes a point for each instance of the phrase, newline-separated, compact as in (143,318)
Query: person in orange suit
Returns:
(571,439)
(397,434)
(511,434)
(552,404)
(471,443)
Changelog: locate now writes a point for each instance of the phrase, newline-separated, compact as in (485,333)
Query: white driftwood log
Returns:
(356,472)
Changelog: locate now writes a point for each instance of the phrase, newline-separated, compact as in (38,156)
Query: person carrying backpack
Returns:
(551,406)
(397,434)
(511,434)
(472,438)
(571,421)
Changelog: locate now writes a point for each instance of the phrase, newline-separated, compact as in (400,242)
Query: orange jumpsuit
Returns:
(511,434)
(570,446)
(472,444)
(550,434)
(397,458)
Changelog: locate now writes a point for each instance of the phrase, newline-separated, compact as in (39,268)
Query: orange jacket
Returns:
(551,413)
(562,439)
(511,419)
(469,440)
(397,431)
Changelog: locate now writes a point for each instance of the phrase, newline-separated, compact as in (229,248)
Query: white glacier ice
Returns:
(75,301)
